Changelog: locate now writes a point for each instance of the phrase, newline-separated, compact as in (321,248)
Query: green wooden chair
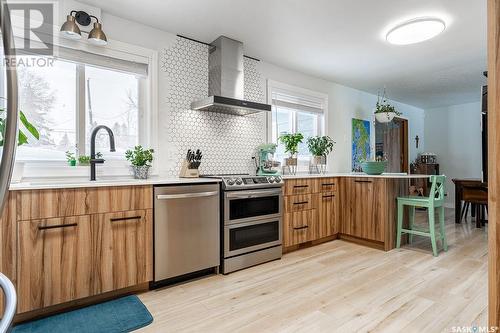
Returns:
(433,202)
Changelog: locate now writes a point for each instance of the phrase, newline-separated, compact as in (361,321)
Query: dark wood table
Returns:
(469,187)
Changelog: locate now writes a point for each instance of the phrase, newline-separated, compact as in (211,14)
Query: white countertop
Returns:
(58,183)
(77,182)
(355,174)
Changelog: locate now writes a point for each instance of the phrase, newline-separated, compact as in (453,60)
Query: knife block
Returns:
(188,173)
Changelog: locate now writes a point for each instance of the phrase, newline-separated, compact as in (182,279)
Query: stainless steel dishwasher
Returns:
(186,230)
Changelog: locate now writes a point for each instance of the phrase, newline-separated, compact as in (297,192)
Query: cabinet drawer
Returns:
(54,261)
(52,203)
(300,186)
(295,203)
(300,227)
(327,184)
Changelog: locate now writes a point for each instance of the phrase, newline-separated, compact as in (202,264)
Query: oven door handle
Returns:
(252,194)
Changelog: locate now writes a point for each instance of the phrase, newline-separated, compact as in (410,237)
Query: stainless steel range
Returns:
(251,220)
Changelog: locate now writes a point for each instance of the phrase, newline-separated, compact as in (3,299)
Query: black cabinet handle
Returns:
(328,196)
(301,203)
(116,219)
(362,181)
(300,186)
(300,228)
(56,226)
(328,184)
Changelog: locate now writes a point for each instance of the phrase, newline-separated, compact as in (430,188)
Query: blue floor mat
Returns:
(125,314)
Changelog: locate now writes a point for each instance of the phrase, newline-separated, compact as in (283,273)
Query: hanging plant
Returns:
(384,111)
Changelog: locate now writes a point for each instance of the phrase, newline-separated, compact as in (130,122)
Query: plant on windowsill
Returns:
(320,147)
(22,138)
(385,112)
(70,157)
(140,160)
(291,142)
(84,160)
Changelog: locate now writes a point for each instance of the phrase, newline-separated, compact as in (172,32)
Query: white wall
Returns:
(454,134)
(344,103)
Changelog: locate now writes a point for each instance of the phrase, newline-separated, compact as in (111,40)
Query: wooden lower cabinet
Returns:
(68,258)
(363,208)
(300,227)
(124,250)
(327,214)
(310,206)
(54,261)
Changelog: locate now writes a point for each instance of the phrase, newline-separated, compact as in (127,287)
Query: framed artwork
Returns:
(360,142)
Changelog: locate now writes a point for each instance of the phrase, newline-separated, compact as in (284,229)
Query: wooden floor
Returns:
(339,287)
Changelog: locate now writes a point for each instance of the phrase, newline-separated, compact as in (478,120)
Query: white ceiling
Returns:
(339,40)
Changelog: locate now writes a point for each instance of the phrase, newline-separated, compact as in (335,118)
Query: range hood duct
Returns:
(226,81)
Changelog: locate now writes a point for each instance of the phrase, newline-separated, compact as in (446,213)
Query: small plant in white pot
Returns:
(140,159)
(22,138)
(384,111)
(320,147)
(291,142)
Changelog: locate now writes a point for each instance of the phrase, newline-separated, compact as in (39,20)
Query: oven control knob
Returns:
(277,179)
(238,181)
(230,181)
(270,179)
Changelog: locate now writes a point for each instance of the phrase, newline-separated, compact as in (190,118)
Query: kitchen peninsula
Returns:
(352,206)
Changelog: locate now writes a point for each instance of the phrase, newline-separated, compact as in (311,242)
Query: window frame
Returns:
(148,109)
(322,120)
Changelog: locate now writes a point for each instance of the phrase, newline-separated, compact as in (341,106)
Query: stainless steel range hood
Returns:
(226,81)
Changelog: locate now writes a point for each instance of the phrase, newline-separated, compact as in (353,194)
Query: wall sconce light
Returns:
(71,30)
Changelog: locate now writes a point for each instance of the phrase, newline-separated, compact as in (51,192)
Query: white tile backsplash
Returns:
(227,141)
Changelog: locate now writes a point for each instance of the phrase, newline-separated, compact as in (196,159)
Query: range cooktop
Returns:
(240,182)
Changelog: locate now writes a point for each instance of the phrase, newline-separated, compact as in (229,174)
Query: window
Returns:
(67,100)
(295,110)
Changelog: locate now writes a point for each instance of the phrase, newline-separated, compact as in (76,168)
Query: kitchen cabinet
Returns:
(54,263)
(124,252)
(310,206)
(327,214)
(63,245)
(357,209)
(300,186)
(300,227)
(364,218)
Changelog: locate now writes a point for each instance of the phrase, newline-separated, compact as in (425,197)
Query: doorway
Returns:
(391,143)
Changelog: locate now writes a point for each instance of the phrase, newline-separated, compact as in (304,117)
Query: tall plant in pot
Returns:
(320,147)
(22,138)
(291,143)
(140,159)
(384,111)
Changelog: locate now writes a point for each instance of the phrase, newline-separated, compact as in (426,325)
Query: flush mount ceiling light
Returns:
(415,31)
(71,30)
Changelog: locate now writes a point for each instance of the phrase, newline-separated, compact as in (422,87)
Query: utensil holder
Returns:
(186,172)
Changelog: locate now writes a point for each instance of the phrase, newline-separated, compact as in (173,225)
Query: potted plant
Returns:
(140,159)
(70,157)
(320,147)
(384,111)
(22,138)
(84,160)
(291,142)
